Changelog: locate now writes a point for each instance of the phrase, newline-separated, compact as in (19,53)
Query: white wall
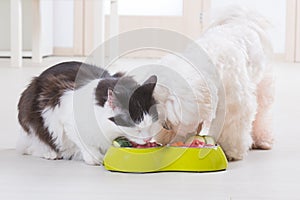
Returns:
(57,26)
(5,24)
(274,11)
(46,7)
(60,32)
(63,23)
(148,7)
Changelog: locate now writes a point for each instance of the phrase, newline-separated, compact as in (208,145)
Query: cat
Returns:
(46,112)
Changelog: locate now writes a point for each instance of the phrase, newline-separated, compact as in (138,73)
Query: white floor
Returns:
(271,174)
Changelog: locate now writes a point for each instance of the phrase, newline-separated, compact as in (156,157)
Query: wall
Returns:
(63,22)
(274,11)
(46,7)
(148,8)
(5,24)
(63,19)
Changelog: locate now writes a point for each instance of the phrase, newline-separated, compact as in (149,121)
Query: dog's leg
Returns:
(262,131)
(235,138)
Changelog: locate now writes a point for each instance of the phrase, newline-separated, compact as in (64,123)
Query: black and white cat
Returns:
(121,106)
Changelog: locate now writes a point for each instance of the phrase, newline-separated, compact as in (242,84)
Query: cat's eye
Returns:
(122,120)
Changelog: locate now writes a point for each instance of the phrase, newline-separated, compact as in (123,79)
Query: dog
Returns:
(238,45)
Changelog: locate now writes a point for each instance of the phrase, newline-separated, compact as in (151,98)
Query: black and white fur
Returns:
(46,112)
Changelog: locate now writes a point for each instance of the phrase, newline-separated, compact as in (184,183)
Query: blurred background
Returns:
(76,27)
(36,34)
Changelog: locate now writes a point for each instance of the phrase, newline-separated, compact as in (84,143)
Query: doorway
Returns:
(293,31)
(187,17)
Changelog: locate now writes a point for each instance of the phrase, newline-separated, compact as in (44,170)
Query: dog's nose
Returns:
(147,140)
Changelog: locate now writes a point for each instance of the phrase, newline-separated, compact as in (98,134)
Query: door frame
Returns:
(292,51)
(291,30)
(84,29)
(78,27)
(193,12)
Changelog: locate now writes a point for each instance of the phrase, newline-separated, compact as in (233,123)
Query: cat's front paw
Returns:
(92,158)
(50,155)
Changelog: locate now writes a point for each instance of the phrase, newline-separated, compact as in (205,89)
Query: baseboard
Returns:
(280,57)
(25,54)
(63,51)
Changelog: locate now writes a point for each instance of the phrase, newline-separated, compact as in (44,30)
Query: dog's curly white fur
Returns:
(238,46)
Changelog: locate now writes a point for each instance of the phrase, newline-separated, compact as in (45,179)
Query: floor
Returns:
(273,174)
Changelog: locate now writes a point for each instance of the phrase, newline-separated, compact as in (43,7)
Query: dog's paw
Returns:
(231,158)
(235,156)
(265,145)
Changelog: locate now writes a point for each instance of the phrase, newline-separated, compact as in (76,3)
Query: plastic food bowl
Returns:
(165,159)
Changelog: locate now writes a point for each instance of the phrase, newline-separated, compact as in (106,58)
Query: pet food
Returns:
(124,142)
(196,141)
(147,145)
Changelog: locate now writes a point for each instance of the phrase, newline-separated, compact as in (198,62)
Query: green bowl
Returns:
(165,159)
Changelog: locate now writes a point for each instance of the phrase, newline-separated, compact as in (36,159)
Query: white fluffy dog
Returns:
(237,45)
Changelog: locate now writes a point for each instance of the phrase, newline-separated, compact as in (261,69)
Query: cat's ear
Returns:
(111,99)
(150,83)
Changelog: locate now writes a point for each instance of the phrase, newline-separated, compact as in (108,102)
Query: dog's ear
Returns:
(199,127)
(165,136)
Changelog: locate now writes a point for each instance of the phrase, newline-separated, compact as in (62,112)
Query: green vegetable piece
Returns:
(122,142)
(209,140)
